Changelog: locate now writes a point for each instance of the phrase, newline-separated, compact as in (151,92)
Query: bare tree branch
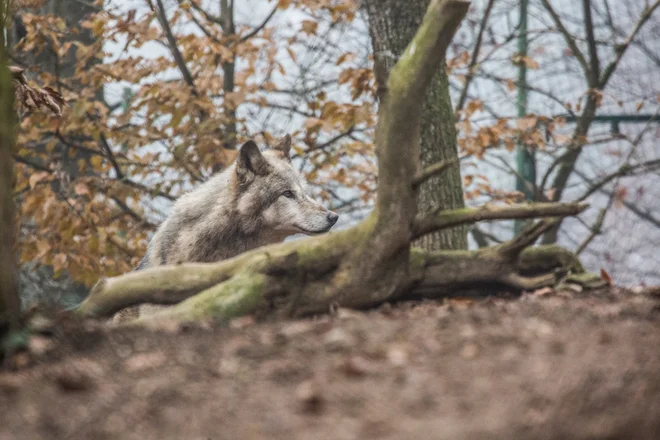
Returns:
(31,164)
(210,17)
(570,40)
(134,215)
(475,56)
(567,161)
(171,42)
(481,237)
(442,220)
(258,29)
(624,170)
(146,189)
(594,69)
(531,88)
(644,215)
(111,156)
(621,50)
(201,26)
(527,237)
(432,170)
(596,229)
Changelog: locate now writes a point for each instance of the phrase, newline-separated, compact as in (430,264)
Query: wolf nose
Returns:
(332,218)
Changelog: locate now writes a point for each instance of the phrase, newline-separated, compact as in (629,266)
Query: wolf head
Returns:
(269,188)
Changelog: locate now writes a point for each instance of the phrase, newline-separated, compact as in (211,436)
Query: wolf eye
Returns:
(288,194)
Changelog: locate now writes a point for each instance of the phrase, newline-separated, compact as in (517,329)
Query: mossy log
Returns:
(302,277)
(371,262)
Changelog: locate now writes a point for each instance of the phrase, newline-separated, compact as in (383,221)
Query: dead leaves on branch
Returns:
(28,98)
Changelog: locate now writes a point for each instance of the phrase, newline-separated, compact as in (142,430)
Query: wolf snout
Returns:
(332,218)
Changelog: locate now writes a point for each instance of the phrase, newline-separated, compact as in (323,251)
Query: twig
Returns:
(621,50)
(431,171)
(624,170)
(595,229)
(531,186)
(531,88)
(208,16)
(594,69)
(526,238)
(29,163)
(171,42)
(134,184)
(567,36)
(646,216)
(257,29)
(482,237)
(475,55)
(134,215)
(105,146)
(73,145)
(202,27)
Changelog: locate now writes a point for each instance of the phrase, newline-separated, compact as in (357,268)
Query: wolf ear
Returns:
(284,147)
(250,163)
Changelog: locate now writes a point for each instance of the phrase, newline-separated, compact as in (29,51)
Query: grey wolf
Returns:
(258,200)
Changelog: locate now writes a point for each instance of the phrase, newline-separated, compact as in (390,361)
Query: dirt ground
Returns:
(542,366)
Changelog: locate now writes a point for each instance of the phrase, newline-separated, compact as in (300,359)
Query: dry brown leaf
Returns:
(144,361)
(28,98)
(606,277)
(355,366)
(543,292)
(620,196)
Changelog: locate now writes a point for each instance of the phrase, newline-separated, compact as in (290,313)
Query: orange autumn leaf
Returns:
(606,277)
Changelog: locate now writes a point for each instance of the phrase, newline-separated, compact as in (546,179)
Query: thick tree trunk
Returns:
(392,25)
(9,298)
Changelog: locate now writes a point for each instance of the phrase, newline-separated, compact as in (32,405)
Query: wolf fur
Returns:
(258,200)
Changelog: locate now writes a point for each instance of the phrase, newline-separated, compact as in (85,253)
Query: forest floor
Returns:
(546,365)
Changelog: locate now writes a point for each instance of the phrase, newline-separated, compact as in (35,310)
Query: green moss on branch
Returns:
(543,259)
(243,294)
(445,219)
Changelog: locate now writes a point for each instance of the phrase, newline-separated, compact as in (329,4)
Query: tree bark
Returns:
(392,25)
(10,305)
